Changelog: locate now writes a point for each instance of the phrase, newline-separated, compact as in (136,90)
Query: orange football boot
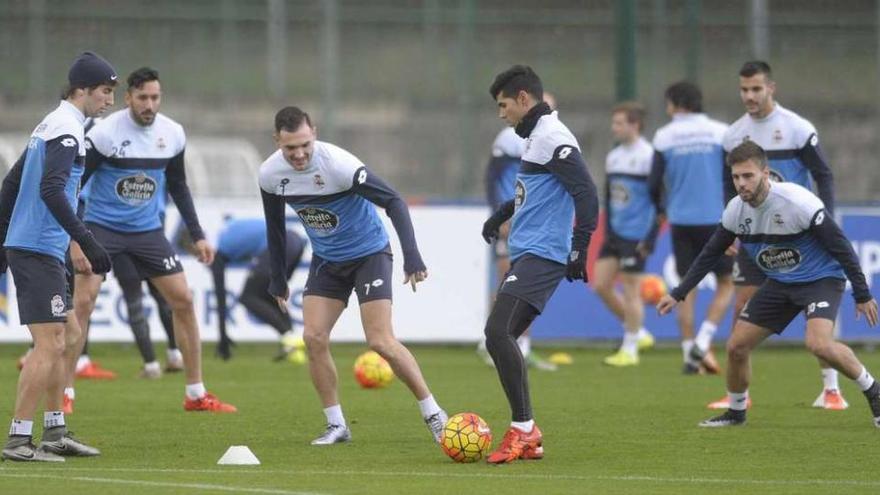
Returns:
(209,403)
(518,444)
(831,399)
(67,405)
(94,371)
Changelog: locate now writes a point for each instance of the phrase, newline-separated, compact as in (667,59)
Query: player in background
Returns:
(507,150)
(792,147)
(807,259)
(688,167)
(553,192)
(133,156)
(37,222)
(243,241)
(333,193)
(630,230)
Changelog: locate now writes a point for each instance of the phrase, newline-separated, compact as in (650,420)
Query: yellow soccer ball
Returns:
(372,370)
(466,438)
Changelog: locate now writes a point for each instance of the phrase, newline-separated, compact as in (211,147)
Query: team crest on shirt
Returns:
(136,190)
(319,181)
(777,219)
(777,136)
(619,194)
(319,221)
(57,304)
(160,143)
(519,194)
(780,259)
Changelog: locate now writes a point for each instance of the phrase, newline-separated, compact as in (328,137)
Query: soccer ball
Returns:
(652,289)
(466,438)
(372,371)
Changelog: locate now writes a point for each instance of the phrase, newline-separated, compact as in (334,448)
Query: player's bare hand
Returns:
(869,309)
(413,278)
(81,264)
(666,304)
(732,250)
(204,252)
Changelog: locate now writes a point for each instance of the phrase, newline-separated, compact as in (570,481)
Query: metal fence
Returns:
(403,83)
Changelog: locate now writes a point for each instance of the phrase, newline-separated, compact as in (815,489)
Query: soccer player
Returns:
(553,192)
(133,156)
(786,229)
(37,222)
(688,166)
(243,240)
(333,193)
(630,230)
(501,173)
(793,152)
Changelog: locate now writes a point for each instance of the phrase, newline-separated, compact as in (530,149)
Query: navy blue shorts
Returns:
(532,279)
(41,287)
(746,271)
(149,252)
(625,252)
(688,241)
(369,276)
(775,304)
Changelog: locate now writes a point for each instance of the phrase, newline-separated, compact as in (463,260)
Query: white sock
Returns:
(173,354)
(21,427)
(643,332)
(52,419)
(704,336)
(334,415)
(195,390)
(686,349)
(70,393)
(429,406)
(865,380)
(525,426)
(738,402)
(630,343)
(82,362)
(152,366)
(525,345)
(829,379)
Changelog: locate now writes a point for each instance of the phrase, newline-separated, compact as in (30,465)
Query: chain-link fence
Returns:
(403,83)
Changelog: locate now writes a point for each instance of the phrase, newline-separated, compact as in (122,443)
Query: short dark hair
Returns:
(633,110)
(753,67)
(515,79)
(685,95)
(290,119)
(747,150)
(139,77)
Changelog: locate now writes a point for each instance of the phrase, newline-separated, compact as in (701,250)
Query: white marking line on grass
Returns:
(447,474)
(160,484)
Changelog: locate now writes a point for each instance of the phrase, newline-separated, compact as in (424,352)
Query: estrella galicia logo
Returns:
(778,259)
(320,221)
(136,190)
(619,194)
(519,194)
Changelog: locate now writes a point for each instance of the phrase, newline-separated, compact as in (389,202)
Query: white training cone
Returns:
(239,455)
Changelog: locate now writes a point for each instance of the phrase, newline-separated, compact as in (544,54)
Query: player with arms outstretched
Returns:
(807,259)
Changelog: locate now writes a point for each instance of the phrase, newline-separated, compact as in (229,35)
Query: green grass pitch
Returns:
(608,431)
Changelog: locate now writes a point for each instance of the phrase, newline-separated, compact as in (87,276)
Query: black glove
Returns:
(494,223)
(576,269)
(3,264)
(95,253)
